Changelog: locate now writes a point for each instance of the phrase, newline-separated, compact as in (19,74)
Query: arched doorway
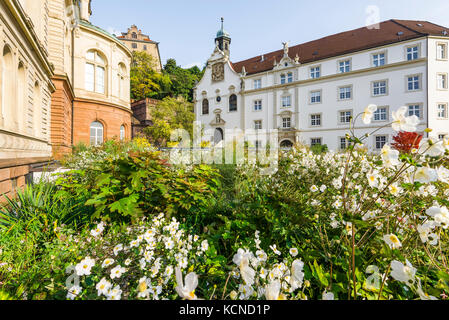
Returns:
(218,135)
(286,144)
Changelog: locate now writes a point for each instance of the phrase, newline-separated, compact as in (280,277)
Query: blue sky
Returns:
(186,28)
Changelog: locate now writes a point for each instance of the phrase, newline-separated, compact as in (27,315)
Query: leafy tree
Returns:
(406,141)
(182,80)
(146,82)
(170,114)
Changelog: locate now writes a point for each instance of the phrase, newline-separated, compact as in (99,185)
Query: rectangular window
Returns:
(286,123)
(442,136)
(315,120)
(412,53)
(442,111)
(286,101)
(99,85)
(290,77)
(345,66)
(381,141)
(378,59)
(257,84)
(414,110)
(381,114)
(315,72)
(283,79)
(258,144)
(345,93)
(345,117)
(90,77)
(344,143)
(441,51)
(257,105)
(379,88)
(442,81)
(258,125)
(315,96)
(315,142)
(413,83)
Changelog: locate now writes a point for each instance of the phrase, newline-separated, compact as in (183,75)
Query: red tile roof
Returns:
(344,43)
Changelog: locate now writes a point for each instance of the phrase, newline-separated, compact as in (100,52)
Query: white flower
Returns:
(98,230)
(403,273)
(425,234)
(128,262)
(118,248)
(395,189)
(323,188)
(432,147)
(114,294)
(440,215)
(204,245)
(393,241)
(186,291)
(117,272)
(314,188)
(425,175)
(369,113)
(403,123)
(84,267)
(422,294)
(373,179)
(390,156)
(297,274)
(328,295)
(293,252)
(103,287)
(273,291)
(73,292)
(107,262)
(443,174)
(275,250)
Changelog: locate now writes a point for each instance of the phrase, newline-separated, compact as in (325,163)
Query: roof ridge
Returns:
(404,26)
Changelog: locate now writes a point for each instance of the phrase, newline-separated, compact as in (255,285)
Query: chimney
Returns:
(85,10)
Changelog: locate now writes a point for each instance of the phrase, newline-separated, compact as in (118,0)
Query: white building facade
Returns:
(311,92)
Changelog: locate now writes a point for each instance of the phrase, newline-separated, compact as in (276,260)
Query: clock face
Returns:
(218,72)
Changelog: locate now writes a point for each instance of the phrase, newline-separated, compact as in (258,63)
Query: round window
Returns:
(218,99)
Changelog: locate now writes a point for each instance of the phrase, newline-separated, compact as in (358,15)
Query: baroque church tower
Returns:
(223,39)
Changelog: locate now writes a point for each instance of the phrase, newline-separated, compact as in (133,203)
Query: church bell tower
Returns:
(223,39)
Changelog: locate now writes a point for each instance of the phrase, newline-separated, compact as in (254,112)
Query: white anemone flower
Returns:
(186,291)
(432,147)
(392,241)
(403,123)
(107,262)
(443,174)
(84,267)
(403,273)
(425,175)
(440,215)
(73,292)
(273,291)
(297,277)
(114,294)
(103,287)
(390,156)
(117,272)
(369,113)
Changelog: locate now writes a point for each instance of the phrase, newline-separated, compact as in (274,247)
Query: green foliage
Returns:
(170,114)
(319,148)
(183,80)
(146,82)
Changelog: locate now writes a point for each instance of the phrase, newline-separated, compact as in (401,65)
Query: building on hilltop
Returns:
(310,92)
(135,40)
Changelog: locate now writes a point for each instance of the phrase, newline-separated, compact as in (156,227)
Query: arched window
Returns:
(95,72)
(19,111)
(233,103)
(96,133)
(205,106)
(37,115)
(7,87)
(122,87)
(122,133)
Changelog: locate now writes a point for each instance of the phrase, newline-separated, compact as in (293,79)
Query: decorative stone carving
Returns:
(218,72)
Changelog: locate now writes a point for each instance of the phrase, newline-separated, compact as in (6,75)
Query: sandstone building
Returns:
(62,81)
(135,40)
